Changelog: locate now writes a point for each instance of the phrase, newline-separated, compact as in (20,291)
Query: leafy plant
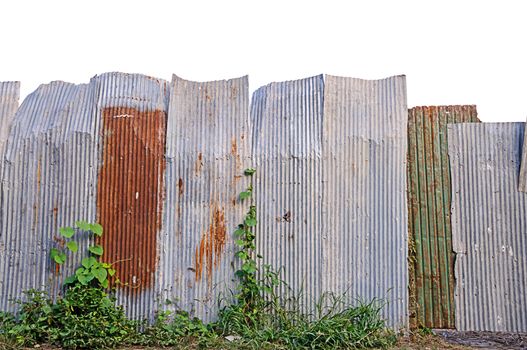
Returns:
(92,271)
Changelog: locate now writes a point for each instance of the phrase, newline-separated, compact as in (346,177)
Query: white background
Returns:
(452,52)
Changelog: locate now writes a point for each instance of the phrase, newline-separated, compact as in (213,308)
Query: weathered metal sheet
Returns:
(431,259)
(9,95)
(48,181)
(365,221)
(287,151)
(132,109)
(331,187)
(207,151)
(522,180)
(488,227)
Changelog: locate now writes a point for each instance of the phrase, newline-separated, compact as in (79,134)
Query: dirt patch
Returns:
(485,340)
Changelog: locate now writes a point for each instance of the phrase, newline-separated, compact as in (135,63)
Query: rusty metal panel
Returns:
(48,181)
(287,151)
(365,221)
(431,260)
(207,151)
(488,226)
(331,187)
(132,109)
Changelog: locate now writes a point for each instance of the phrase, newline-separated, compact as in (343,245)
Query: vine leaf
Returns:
(83,225)
(249,171)
(72,246)
(96,249)
(245,195)
(67,232)
(96,229)
(251,222)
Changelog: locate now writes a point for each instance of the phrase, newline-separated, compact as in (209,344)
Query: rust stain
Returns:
(37,197)
(180,186)
(234,147)
(199,164)
(130,192)
(212,243)
(55,214)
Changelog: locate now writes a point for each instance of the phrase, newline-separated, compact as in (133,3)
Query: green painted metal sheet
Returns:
(431,258)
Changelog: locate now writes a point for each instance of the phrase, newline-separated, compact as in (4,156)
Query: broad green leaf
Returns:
(111,272)
(84,279)
(239,232)
(72,245)
(239,242)
(60,258)
(101,274)
(249,171)
(67,232)
(96,249)
(88,262)
(245,195)
(80,271)
(248,268)
(53,252)
(96,229)
(83,225)
(241,254)
(104,284)
(250,222)
(106,265)
(71,279)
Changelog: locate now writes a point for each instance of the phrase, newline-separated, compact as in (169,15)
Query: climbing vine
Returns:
(93,271)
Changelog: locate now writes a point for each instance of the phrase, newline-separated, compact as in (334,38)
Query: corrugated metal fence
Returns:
(160,165)
(325,151)
(489,227)
(331,187)
(430,235)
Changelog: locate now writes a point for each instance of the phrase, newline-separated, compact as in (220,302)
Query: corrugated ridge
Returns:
(207,151)
(48,182)
(9,95)
(488,226)
(132,109)
(287,148)
(431,258)
(365,229)
(522,180)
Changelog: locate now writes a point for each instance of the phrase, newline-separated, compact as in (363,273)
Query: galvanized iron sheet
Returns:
(287,152)
(522,180)
(365,221)
(430,235)
(132,109)
(207,151)
(331,187)
(488,227)
(9,95)
(48,181)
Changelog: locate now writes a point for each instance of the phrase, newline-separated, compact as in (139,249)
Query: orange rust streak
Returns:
(129,195)
(199,164)
(212,244)
(234,147)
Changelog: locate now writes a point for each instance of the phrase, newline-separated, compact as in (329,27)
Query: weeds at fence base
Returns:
(87,318)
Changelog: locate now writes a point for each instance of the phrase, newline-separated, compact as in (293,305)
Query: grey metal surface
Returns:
(48,181)
(522,179)
(489,228)
(365,231)
(207,150)
(9,95)
(287,151)
(331,187)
